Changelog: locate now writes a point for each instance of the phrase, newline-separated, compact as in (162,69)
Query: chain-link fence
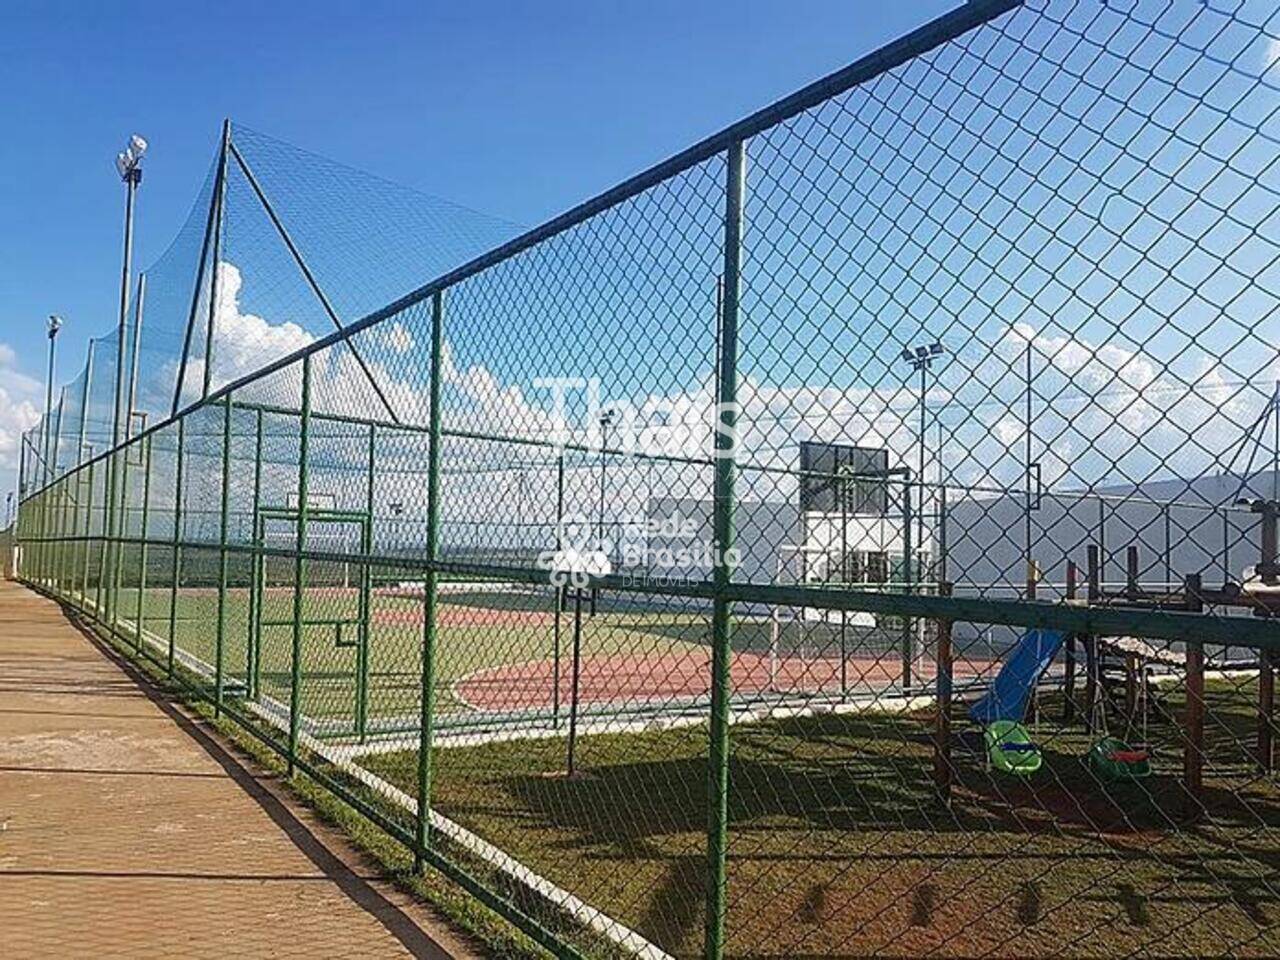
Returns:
(854,536)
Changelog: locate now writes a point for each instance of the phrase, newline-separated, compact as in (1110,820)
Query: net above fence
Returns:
(856,535)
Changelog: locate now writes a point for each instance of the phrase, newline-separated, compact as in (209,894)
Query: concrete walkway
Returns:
(127,829)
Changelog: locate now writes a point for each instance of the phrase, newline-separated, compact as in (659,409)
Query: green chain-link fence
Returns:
(854,536)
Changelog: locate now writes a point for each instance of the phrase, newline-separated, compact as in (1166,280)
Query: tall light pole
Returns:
(55,324)
(921,358)
(129,166)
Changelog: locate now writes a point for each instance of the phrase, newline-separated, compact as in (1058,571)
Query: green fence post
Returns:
(255,558)
(121,527)
(62,501)
(81,436)
(907,645)
(427,702)
(99,588)
(299,568)
(366,587)
(221,634)
(55,527)
(70,507)
(73,553)
(48,497)
(176,560)
(721,627)
(88,532)
(142,547)
(67,549)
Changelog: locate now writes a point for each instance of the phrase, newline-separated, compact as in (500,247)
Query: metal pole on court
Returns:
(299,570)
(721,627)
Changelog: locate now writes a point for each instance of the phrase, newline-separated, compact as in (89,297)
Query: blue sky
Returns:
(522,110)
(516,109)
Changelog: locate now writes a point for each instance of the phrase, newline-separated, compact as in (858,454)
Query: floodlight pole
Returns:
(921,358)
(132,178)
(55,324)
(131,174)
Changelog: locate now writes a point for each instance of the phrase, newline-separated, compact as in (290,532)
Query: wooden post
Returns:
(1033,581)
(1069,678)
(1093,592)
(1131,665)
(1131,668)
(942,770)
(1266,710)
(1193,745)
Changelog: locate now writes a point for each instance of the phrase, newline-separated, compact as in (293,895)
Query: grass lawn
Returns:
(839,846)
(474,634)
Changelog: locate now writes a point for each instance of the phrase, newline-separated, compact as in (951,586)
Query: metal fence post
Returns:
(366,590)
(176,560)
(121,529)
(64,507)
(299,568)
(907,650)
(427,700)
(48,497)
(942,770)
(252,673)
(224,508)
(88,532)
(1193,734)
(139,613)
(721,627)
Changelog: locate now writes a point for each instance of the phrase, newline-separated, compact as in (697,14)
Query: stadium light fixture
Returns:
(921,358)
(922,355)
(129,160)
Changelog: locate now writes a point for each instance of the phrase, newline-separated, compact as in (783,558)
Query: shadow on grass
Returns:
(834,789)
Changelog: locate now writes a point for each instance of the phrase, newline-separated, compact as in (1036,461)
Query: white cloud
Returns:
(19,412)
(1104,407)
(242,342)
(398,337)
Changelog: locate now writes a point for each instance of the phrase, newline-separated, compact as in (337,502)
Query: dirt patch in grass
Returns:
(661,678)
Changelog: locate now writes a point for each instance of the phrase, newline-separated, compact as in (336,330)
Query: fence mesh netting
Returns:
(855,537)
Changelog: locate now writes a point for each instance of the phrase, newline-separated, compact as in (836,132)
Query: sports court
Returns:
(900,576)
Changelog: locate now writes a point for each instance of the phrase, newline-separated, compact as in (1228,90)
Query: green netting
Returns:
(856,536)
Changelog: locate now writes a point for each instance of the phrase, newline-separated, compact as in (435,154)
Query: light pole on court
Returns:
(921,358)
(54,325)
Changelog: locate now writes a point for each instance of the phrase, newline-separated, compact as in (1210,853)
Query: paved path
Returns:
(127,829)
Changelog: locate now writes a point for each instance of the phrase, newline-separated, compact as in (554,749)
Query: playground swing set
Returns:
(1009,746)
